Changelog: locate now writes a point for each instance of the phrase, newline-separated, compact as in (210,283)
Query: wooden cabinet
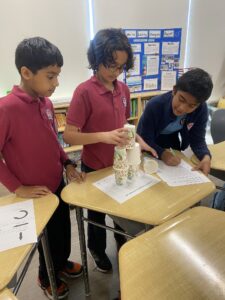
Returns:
(138,102)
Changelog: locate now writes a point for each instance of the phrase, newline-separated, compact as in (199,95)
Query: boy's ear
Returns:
(174,90)
(26,73)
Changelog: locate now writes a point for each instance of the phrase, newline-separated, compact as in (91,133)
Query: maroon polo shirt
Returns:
(28,142)
(95,109)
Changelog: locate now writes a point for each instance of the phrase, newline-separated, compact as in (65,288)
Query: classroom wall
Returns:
(207,41)
(154,14)
(64,22)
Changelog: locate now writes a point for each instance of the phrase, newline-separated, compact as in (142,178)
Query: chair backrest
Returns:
(218,126)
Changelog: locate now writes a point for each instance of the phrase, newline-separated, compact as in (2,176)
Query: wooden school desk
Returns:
(10,260)
(181,259)
(218,160)
(6,294)
(153,206)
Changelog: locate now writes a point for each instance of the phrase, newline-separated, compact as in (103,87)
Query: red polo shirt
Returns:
(28,142)
(95,109)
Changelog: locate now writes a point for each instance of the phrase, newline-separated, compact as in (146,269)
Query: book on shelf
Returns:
(60,119)
(61,141)
(144,103)
(133,108)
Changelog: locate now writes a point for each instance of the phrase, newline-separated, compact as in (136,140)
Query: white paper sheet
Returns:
(130,189)
(152,64)
(17,225)
(168,80)
(180,175)
(136,69)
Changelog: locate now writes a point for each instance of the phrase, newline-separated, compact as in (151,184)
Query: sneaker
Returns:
(72,270)
(62,289)
(102,261)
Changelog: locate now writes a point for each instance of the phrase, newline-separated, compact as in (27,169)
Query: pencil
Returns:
(172,151)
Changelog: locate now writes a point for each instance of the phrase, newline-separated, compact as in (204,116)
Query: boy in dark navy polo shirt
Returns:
(98,111)
(33,158)
(178,119)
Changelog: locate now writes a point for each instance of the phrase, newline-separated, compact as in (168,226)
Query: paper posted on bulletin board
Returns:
(156,59)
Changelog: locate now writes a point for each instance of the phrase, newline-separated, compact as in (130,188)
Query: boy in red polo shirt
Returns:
(33,158)
(98,111)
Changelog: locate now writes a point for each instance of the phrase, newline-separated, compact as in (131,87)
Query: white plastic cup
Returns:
(134,155)
(150,166)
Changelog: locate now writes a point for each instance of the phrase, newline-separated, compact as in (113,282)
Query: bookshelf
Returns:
(138,102)
(60,115)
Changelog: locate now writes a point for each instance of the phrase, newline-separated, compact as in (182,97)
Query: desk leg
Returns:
(148,227)
(49,264)
(81,232)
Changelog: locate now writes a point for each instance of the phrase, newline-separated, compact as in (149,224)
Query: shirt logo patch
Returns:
(182,121)
(49,114)
(124,100)
(190,125)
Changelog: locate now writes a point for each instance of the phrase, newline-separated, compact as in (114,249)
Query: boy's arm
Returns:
(73,135)
(78,114)
(145,147)
(198,143)
(7,178)
(147,128)
(15,186)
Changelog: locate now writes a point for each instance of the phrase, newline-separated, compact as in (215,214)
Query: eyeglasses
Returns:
(114,69)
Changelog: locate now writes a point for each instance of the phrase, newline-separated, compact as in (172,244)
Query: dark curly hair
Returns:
(37,53)
(196,82)
(104,45)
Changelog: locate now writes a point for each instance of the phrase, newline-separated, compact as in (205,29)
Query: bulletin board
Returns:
(156,59)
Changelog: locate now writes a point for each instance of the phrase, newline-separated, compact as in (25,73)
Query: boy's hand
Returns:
(72,174)
(144,146)
(170,159)
(32,191)
(117,137)
(204,165)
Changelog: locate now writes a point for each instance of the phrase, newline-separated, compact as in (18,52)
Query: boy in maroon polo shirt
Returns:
(98,111)
(33,158)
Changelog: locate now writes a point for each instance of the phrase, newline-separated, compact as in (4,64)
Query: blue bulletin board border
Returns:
(156,59)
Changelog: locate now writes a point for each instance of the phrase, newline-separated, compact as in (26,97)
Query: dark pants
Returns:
(97,235)
(59,237)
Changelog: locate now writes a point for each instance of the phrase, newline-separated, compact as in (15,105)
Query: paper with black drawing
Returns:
(17,225)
